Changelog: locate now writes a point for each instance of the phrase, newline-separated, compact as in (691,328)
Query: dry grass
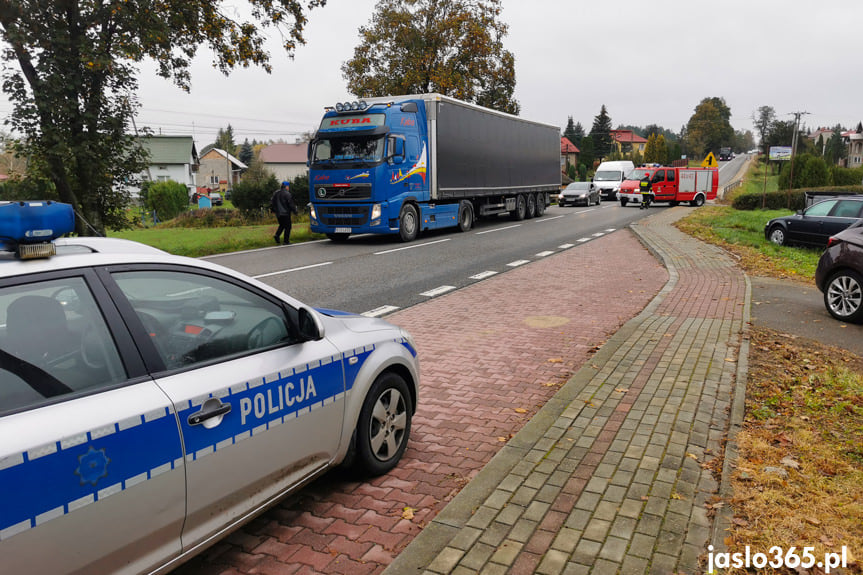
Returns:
(799,477)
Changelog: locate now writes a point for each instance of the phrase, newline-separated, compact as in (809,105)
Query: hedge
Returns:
(779,199)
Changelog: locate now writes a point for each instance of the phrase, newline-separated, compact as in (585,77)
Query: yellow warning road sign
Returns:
(710,161)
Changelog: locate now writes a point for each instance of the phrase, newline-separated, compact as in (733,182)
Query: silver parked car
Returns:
(149,404)
(579,193)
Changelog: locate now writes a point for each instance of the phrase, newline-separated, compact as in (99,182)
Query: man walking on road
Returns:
(282,204)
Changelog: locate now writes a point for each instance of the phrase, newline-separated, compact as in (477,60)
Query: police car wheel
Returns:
(384,425)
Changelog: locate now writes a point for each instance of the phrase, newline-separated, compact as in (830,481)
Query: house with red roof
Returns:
(627,141)
(568,153)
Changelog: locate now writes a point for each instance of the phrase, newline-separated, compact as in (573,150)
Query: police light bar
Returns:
(28,228)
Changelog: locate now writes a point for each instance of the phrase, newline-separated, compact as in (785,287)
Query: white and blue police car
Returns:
(151,403)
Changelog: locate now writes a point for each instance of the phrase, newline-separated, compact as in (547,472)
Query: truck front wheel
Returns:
(623,202)
(698,201)
(408,223)
(520,208)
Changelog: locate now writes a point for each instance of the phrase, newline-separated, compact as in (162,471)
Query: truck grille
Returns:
(354,192)
(343,215)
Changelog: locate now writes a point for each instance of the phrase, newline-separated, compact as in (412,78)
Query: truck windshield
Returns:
(637,174)
(605,176)
(360,149)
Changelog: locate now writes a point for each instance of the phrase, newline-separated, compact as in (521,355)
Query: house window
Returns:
(214,180)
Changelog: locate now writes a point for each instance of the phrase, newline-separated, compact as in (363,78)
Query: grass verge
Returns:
(742,233)
(198,242)
(799,476)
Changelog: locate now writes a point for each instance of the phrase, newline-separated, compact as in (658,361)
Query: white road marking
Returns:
(483,275)
(543,254)
(518,263)
(566,246)
(383,310)
(498,229)
(292,270)
(411,247)
(437,291)
(582,240)
(549,219)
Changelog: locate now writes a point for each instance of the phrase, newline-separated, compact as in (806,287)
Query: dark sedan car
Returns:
(839,274)
(814,225)
(579,193)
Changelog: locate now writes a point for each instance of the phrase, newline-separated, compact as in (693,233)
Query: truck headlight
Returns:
(313,215)
(376,215)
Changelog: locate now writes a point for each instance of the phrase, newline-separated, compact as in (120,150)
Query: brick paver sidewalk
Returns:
(613,474)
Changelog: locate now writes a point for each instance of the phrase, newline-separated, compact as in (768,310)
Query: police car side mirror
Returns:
(310,327)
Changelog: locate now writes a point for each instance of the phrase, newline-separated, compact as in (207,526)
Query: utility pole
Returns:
(794,150)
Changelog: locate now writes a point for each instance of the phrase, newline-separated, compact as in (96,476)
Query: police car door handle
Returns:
(207,413)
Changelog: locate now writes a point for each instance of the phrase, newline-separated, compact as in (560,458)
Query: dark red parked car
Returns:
(839,274)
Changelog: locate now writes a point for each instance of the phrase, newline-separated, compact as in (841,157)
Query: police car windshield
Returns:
(355,150)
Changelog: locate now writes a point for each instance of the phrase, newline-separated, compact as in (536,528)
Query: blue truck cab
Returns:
(404,164)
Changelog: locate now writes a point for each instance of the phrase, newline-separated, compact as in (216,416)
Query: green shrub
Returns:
(253,195)
(168,199)
(847,176)
(809,172)
(776,200)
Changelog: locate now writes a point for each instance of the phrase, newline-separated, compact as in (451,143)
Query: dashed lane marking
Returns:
(437,291)
(383,310)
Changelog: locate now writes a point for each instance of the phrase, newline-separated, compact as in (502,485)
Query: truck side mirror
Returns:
(397,151)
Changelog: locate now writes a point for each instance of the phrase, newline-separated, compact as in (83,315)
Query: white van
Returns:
(609,176)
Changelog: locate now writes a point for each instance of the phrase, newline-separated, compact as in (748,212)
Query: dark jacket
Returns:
(282,203)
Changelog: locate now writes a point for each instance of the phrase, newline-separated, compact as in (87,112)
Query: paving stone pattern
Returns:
(492,355)
(610,476)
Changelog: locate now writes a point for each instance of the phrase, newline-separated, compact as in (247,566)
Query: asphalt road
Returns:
(798,311)
(376,275)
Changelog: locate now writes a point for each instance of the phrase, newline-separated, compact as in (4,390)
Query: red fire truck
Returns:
(673,185)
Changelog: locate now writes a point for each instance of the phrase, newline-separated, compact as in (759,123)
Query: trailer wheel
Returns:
(540,204)
(531,206)
(698,201)
(520,208)
(408,223)
(465,216)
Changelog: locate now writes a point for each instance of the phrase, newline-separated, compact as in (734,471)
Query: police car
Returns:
(151,403)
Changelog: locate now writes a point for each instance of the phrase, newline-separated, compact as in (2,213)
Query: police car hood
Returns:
(357,323)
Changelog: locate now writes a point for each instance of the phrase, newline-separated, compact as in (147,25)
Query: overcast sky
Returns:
(647,61)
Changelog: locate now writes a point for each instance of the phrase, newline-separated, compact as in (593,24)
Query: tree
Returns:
(601,133)
(587,154)
(247,153)
(569,133)
(252,194)
(72,74)
(763,119)
(661,150)
(650,150)
(709,128)
(453,47)
(579,134)
(168,199)
(835,150)
(225,140)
